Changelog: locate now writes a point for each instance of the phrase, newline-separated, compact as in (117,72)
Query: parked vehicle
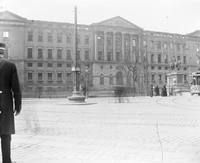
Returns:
(195,83)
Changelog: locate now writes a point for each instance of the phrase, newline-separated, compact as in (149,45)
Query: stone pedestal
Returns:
(77,97)
(175,83)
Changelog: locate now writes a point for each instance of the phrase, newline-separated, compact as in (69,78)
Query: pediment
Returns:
(195,33)
(7,15)
(118,22)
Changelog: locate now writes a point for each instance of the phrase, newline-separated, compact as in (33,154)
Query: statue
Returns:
(175,64)
(178,65)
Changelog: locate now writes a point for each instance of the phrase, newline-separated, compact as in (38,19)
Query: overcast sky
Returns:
(175,16)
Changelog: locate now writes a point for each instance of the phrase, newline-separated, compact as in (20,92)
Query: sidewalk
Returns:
(143,130)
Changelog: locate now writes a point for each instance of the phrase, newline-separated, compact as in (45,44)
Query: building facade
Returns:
(44,54)
(115,41)
(164,49)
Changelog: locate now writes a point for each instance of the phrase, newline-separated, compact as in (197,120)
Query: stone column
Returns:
(105,46)
(122,46)
(114,51)
(96,44)
(139,47)
(131,46)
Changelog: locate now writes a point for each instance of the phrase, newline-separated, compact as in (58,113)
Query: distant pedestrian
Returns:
(157,93)
(119,92)
(151,91)
(10,88)
(171,91)
(164,91)
(84,90)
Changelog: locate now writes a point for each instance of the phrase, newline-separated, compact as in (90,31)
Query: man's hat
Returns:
(2,46)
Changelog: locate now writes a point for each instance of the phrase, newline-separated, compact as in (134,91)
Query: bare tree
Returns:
(131,67)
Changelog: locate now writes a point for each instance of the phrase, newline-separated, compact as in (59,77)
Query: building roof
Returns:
(118,22)
(195,33)
(7,15)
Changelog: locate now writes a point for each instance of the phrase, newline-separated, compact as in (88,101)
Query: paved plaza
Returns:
(141,130)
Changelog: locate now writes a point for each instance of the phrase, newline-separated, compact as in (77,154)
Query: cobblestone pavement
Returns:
(143,130)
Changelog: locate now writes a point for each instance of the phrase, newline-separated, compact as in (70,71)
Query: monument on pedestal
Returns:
(175,82)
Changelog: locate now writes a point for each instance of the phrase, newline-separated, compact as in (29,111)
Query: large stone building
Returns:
(44,54)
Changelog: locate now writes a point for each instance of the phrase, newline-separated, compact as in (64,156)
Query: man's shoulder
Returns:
(7,61)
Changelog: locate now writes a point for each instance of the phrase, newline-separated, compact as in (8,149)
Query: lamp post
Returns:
(146,68)
(86,81)
(169,86)
(76,96)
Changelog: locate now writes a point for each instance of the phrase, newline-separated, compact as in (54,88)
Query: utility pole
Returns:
(76,68)
(146,68)
(77,96)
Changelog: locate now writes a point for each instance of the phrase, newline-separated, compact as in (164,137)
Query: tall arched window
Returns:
(101,79)
(111,79)
(178,47)
(171,46)
(119,78)
(152,44)
(158,45)
(165,46)
(152,58)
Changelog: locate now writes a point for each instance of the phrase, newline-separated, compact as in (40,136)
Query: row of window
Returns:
(166,58)
(165,68)
(160,77)
(58,65)
(49,76)
(109,40)
(102,78)
(49,88)
(109,56)
(118,41)
(164,35)
(40,77)
(59,53)
(59,76)
(59,38)
(127,56)
(166,45)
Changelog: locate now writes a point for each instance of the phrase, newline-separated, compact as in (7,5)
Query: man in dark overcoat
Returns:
(164,91)
(9,89)
(151,91)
